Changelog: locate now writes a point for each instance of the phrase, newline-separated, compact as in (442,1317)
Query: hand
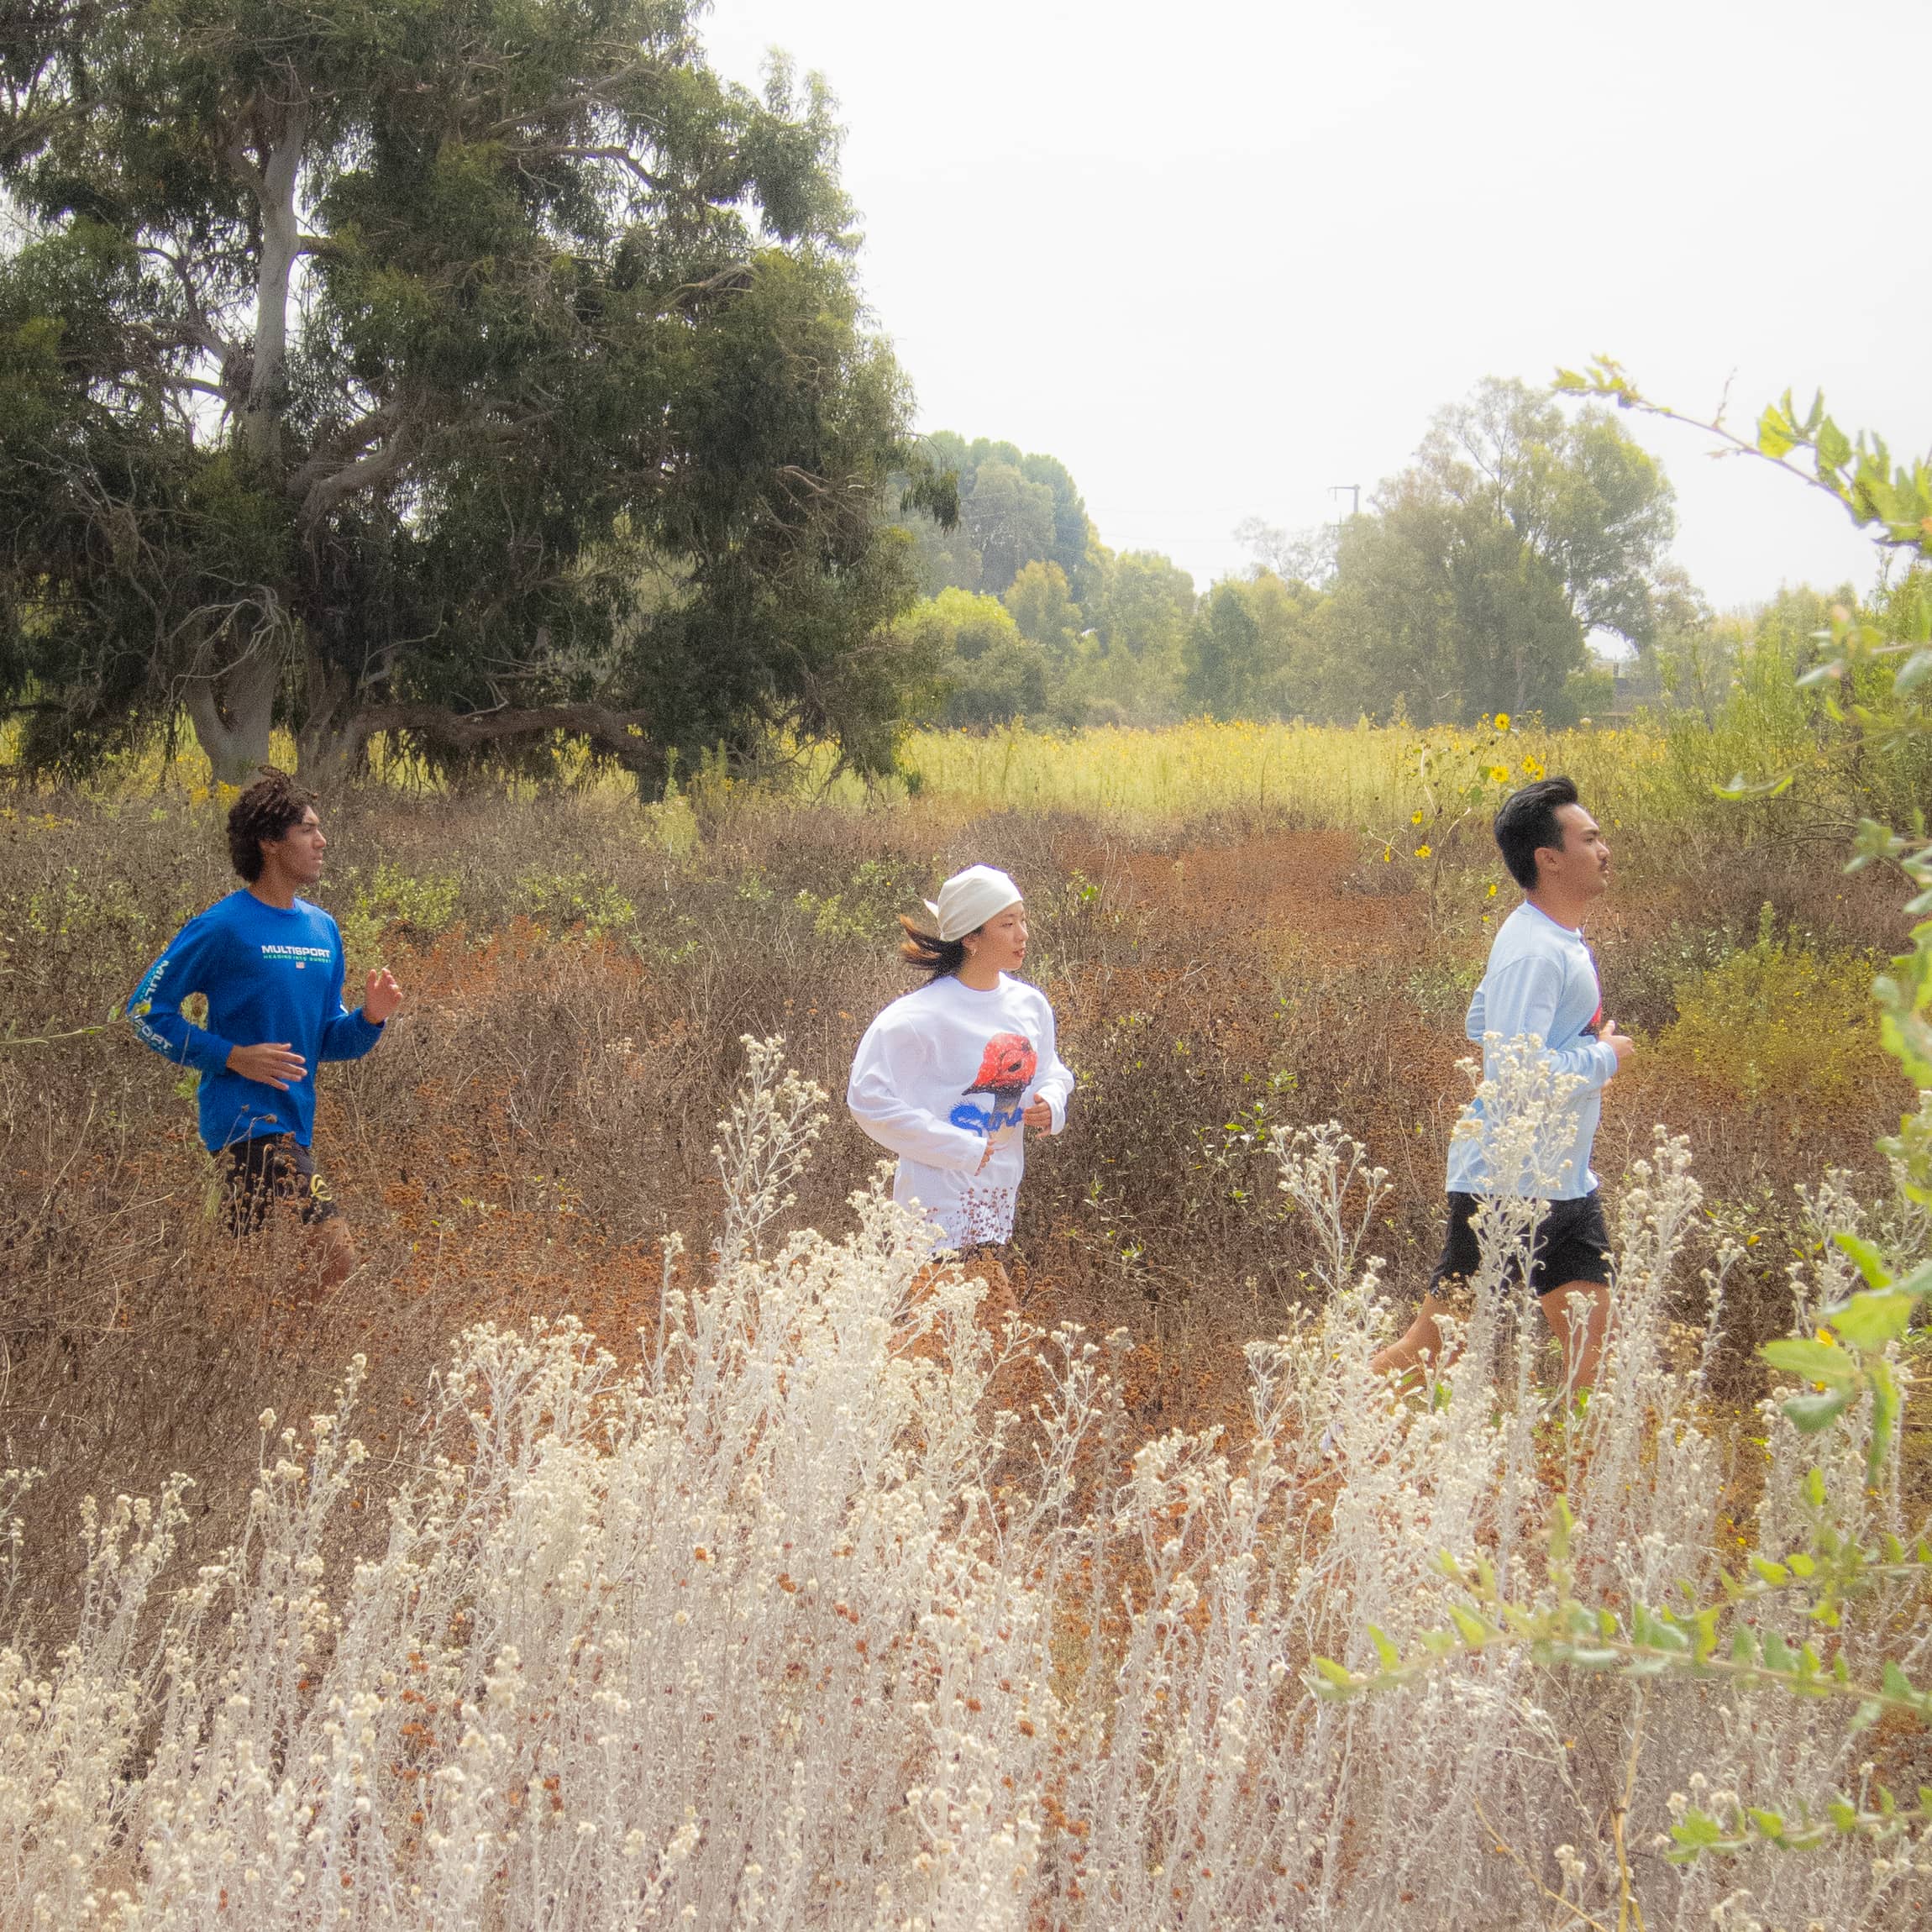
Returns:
(1621,1044)
(380,996)
(275,1064)
(1039,1116)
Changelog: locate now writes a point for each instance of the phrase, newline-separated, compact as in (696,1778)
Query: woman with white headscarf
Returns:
(950,1076)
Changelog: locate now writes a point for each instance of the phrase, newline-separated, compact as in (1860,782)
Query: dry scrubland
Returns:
(767,1617)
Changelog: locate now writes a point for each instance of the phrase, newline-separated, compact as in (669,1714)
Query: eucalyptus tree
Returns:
(1471,583)
(473,369)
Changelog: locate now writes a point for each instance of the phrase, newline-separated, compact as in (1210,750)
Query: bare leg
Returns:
(1579,1330)
(335,1252)
(1415,1350)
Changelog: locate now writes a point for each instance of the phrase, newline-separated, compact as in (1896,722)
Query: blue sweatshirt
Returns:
(268,975)
(1542,980)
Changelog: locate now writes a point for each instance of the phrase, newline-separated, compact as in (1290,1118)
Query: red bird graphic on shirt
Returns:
(1007,1066)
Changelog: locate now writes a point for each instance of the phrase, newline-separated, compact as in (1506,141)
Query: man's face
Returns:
(297,853)
(1581,869)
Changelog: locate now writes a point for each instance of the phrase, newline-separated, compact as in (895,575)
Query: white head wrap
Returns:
(968,899)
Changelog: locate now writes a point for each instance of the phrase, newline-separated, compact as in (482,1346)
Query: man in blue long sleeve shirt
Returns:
(270,965)
(1541,980)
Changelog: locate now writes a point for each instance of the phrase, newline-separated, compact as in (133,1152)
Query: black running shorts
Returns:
(1571,1243)
(275,1167)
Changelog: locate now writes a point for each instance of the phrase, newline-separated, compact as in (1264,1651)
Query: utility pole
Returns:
(1354,491)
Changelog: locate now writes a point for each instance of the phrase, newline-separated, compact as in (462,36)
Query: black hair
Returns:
(269,809)
(1528,821)
(928,952)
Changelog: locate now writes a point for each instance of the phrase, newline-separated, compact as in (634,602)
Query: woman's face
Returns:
(1000,945)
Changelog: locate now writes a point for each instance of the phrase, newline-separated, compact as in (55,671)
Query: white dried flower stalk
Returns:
(787,1626)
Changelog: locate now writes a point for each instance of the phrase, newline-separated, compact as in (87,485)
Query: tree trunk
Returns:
(275,187)
(330,743)
(233,713)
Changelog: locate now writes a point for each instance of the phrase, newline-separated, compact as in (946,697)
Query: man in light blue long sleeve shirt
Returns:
(270,964)
(1542,981)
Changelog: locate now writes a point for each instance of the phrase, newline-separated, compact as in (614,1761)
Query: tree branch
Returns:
(323,494)
(624,734)
(381,421)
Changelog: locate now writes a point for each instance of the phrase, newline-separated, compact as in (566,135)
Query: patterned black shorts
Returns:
(1571,1243)
(275,1167)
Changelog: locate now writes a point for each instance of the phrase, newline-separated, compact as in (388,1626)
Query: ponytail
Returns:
(928,952)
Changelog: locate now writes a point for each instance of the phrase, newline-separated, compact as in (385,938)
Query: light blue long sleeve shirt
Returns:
(268,975)
(1542,980)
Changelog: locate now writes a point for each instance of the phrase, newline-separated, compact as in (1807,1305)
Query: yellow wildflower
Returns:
(1502,721)
(1499,774)
(1415,818)
(1422,852)
(1492,890)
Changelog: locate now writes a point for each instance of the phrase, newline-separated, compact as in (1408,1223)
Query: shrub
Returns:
(794,1623)
(1777,1015)
(391,904)
(559,902)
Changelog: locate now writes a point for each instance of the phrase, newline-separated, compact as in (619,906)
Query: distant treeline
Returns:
(1478,580)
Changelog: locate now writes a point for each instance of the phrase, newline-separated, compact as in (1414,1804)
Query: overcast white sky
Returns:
(1217,257)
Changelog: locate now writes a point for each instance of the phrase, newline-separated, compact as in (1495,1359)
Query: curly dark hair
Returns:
(270,806)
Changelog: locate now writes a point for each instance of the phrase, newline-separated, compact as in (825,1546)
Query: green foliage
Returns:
(1142,616)
(1776,1017)
(390,903)
(1467,587)
(564,902)
(979,669)
(1470,585)
(497,370)
(864,911)
(1015,510)
(1249,650)
(1044,610)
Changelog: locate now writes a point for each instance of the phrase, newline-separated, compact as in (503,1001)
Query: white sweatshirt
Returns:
(1542,980)
(941,1078)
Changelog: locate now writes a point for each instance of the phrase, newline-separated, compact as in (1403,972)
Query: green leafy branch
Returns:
(1711,1640)
(1652,1641)
(1846,1358)
(1891,501)
(1747,1827)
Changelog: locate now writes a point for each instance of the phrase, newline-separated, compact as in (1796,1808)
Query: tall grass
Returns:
(1662,771)
(838,1609)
